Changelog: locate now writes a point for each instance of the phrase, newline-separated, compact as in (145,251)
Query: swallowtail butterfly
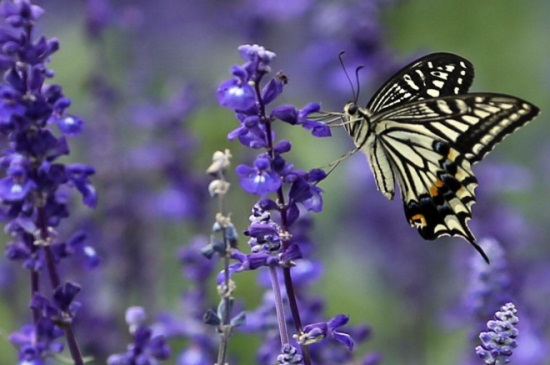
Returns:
(423,129)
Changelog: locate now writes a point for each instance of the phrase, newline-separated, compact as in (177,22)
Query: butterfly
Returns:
(423,129)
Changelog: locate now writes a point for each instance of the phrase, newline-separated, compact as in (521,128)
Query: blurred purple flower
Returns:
(35,342)
(490,285)
(147,348)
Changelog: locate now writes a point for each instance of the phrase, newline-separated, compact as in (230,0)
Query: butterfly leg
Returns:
(334,164)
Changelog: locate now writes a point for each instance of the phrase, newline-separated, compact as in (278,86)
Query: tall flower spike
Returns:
(500,339)
(272,229)
(33,189)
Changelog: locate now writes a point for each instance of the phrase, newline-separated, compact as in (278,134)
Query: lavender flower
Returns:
(499,341)
(271,230)
(33,191)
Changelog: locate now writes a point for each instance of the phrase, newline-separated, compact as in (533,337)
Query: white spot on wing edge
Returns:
(433,93)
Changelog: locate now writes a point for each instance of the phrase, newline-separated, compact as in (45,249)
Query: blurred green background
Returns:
(506,40)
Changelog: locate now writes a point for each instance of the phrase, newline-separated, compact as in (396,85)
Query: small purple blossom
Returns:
(62,308)
(69,125)
(147,348)
(289,355)
(258,59)
(259,180)
(263,232)
(236,94)
(317,332)
(35,342)
(249,262)
(21,13)
(293,116)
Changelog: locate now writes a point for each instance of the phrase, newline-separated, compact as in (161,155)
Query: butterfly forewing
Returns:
(435,75)
(491,117)
(424,130)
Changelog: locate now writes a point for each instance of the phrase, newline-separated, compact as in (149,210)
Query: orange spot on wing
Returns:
(434,189)
(418,220)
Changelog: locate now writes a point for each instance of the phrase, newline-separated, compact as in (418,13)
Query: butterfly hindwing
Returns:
(436,182)
(431,145)
(435,75)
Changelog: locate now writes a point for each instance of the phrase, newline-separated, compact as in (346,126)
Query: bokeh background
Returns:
(143,75)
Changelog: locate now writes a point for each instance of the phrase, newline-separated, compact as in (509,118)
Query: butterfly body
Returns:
(424,130)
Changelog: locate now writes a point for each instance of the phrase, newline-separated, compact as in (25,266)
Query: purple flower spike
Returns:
(499,341)
(276,234)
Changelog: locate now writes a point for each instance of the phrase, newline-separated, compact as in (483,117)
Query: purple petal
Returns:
(69,125)
(344,338)
(287,113)
(260,183)
(235,95)
(283,146)
(240,131)
(337,321)
(318,129)
(11,190)
(273,89)
(315,203)
(308,109)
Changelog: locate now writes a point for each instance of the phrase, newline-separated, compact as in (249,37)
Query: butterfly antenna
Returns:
(356,98)
(341,58)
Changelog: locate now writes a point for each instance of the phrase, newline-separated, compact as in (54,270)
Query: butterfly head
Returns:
(351,110)
(356,122)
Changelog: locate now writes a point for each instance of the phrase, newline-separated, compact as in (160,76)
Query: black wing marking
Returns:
(432,76)
(491,117)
